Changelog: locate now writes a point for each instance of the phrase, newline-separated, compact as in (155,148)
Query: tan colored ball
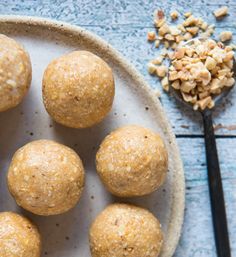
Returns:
(132,161)
(15,73)
(78,89)
(46,178)
(18,236)
(125,230)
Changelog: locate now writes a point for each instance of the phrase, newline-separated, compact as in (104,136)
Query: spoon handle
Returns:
(216,189)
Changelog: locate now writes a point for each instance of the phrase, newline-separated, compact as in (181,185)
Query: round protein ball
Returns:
(15,73)
(18,236)
(46,178)
(78,89)
(125,230)
(132,161)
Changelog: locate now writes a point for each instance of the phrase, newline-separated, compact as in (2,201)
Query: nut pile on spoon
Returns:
(199,70)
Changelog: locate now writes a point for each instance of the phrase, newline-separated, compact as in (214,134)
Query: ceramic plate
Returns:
(67,235)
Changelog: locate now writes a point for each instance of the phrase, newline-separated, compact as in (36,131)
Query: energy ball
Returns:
(15,73)
(46,178)
(18,236)
(125,230)
(78,89)
(132,161)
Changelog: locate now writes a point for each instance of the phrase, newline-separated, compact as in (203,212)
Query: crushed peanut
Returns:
(219,13)
(202,74)
(187,14)
(151,36)
(174,15)
(225,36)
(151,68)
(161,71)
(165,84)
(157,43)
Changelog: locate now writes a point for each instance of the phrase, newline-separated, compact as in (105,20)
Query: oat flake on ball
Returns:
(132,161)
(18,236)
(78,89)
(125,230)
(46,178)
(15,73)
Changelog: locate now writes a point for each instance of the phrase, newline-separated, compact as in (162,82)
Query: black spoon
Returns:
(214,175)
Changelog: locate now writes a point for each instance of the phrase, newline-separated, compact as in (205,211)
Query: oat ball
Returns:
(125,230)
(78,89)
(132,161)
(15,73)
(18,236)
(46,178)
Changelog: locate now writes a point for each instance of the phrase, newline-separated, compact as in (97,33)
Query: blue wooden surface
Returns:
(124,24)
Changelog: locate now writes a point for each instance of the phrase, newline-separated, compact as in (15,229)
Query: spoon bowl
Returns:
(217,98)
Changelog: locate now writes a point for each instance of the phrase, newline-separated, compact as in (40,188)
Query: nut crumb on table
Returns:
(219,13)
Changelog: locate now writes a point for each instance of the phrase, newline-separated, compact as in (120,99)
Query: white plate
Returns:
(67,235)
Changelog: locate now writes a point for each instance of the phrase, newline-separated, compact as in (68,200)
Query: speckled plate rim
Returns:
(177,208)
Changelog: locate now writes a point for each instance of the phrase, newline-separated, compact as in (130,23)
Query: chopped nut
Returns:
(210,63)
(169,37)
(203,94)
(204,26)
(215,85)
(200,22)
(190,21)
(151,36)
(193,30)
(151,68)
(176,84)
(229,64)
(158,60)
(187,86)
(173,75)
(179,38)
(174,46)
(177,64)
(179,53)
(161,71)
(166,44)
(159,18)
(165,83)
(187,36)
(219,13)
(187,97)
(189,52)
(174,31)
(203,103)
(164,29)
(211,104)
(174,15)
(230,82)
(157,43)
(181,28)
(187,14)
(225,36)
